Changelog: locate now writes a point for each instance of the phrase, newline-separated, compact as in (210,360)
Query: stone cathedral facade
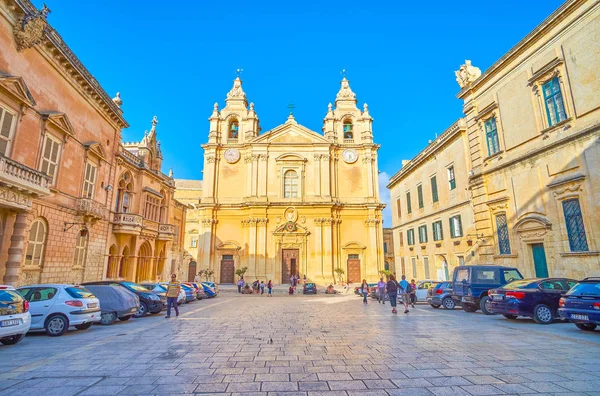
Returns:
(289,200)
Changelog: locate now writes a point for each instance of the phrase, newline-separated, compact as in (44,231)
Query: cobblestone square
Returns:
(296,345)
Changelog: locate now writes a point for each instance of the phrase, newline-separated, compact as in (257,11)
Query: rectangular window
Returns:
(451,179)
(502,230)
(455,227)
(491,136)
(50,156)
(194,242)
(398,208)
(353,257)
(434,191)
(384,247)
(401,235)
(7,121)
(426,266)
(555,108)
(575,227)
(438,234)
(423,234)
(90,180)
(81,247)
(151,211)
(408,205)
(420,195)
(461,260)
(410,236)
(414,267)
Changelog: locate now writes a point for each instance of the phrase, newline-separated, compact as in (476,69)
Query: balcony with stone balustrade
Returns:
(19,184)
(127,223)
(90,209)
(166,232)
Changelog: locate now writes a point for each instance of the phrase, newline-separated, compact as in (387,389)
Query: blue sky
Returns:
(175,59)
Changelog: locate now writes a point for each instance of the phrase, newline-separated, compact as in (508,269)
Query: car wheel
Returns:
(108,318)
(511,317)
(434,305)
(469,307)
(56,325)
(542,314)
(484,305)
(124,318)
(586,326)
(448,303)
(84,326)
(143,310)
(12,340)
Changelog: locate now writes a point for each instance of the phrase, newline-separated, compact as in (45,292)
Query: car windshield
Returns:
(512,275)
(79,292)
(585,289)
(135,287)
(310,285)
(521,284)
(9,297)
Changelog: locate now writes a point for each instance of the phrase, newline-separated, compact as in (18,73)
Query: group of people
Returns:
(394,290)
(258,287)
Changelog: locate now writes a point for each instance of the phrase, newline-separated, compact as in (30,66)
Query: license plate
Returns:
(92,305)
(497,297)
(579,317)
(7,323)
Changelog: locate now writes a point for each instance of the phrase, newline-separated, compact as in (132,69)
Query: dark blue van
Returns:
(470,284)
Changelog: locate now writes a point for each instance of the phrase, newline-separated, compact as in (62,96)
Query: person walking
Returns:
(392,291)
(270,288)
(381,291)
(413,292)
(262,287)
(239,285)
(364,288)
(172,293)
(403,291)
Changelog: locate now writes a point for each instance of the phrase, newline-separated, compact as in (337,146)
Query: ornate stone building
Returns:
(533,126)
(388,251)
(146,243)
(289,200)
(59,136)
(432,216)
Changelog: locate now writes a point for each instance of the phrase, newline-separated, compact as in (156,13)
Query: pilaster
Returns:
(16,250)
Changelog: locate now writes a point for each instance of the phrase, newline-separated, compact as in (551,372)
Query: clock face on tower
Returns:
(232,155)
(349,156)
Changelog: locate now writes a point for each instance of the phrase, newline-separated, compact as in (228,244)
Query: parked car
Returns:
(374,293)
(422,289)
(115,302)
(211,290)
(309,288)
(358,291)
(15,319)
(200,289)
(532,298)
(152,302)
(581,304)
(161,287)
(56,307)
(471,283)
(440,295)
(190,293)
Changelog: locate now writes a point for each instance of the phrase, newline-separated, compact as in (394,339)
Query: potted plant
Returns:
(340,273)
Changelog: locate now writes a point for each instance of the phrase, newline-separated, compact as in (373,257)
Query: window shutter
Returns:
(7,121)
(434,191)
(459,226)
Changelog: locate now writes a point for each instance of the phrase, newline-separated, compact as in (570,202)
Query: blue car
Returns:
(581,305)
(532,298)
(190,293)
(210,289)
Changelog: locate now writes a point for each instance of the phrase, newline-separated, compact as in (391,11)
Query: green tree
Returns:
(340,273)
(241,271)
(386,273)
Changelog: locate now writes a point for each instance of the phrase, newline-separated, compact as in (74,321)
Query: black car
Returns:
(440,295)
(149,301)
(581,304)
(471,283)
(532,298)
(309,288)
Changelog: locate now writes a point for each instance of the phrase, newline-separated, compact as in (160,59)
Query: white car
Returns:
(422,288)
(15,318)
(56,307)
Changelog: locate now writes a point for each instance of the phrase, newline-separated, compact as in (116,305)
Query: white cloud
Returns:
(384,196)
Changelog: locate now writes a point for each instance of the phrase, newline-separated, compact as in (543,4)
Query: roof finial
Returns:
(154,122)
(171,173)
(117,99)
(238,72)
(343,73)
(291,107)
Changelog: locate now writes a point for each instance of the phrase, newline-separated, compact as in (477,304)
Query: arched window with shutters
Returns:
(7,122)
(124,197)
(36,243)
(290,184)
(81,248)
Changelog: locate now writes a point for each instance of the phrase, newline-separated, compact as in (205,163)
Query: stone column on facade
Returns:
(262,247)
(249,172)
(16,250)
(335,186)
(371,254)
(252,270)
(255,175)
(208,190)
(317,174)
(262,175)
(325,181)
(205,253)
(318,254)
(133,262)
(369,165)
(327,247)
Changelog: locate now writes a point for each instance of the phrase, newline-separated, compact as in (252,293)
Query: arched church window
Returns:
(348,132)
(290,184)
(125,188)
(234,128)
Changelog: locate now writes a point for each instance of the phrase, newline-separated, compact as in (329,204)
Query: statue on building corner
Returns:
(466,74)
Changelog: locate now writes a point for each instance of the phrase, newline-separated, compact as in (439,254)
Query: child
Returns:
(262,287)
(291,290)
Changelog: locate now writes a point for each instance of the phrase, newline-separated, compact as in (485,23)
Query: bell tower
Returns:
(236,122)
(346,124)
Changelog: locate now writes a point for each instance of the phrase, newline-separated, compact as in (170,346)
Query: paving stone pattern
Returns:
(312,346)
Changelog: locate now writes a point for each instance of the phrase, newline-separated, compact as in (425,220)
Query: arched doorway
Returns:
(144,266)
(354,268)
(191,271)
(112,270)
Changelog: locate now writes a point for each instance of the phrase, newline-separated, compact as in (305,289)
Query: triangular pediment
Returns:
(291,133)
(60,121)
(17,88)
(96,149)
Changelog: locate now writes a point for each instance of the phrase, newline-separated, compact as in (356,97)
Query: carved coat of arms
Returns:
(30,29)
